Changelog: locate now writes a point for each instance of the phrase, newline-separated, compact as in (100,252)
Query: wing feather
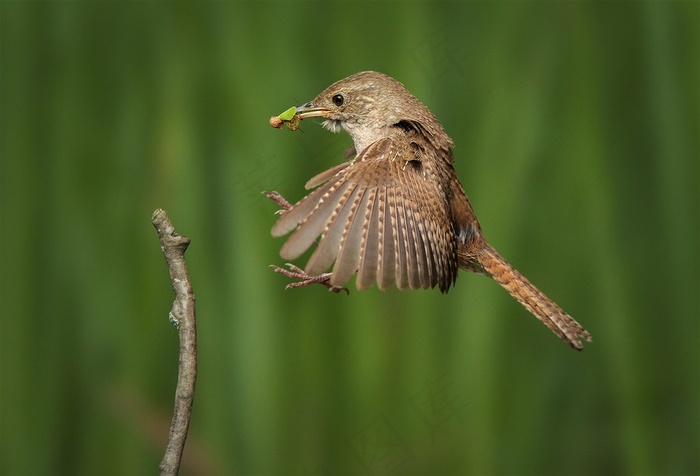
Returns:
(400,252)
(422,276)
(326,175)
(314,224)
(342,206)
(349,256)
(418,213)
(386,275)
(371,242)
(410,240)
(300,211)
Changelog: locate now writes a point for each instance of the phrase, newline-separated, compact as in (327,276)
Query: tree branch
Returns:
(182,315)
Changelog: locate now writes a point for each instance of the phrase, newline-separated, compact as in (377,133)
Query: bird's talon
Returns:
(304,279)
(279,200)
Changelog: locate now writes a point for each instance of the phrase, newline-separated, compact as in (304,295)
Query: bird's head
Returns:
(371,106)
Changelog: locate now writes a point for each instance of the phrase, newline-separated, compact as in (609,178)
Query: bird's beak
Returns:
(309,110)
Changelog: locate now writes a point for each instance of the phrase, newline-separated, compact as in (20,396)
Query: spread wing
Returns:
(382,215)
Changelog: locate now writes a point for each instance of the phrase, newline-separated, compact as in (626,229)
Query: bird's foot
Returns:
(304,279)
(279,200)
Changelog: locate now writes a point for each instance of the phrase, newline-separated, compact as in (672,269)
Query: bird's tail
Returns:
(532,298)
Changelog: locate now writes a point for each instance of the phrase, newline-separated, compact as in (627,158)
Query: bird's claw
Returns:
(295,272)
(279,200)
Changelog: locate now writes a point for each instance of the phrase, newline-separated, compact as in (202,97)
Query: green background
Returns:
(577,139)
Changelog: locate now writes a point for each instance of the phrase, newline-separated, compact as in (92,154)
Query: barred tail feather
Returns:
(534,300)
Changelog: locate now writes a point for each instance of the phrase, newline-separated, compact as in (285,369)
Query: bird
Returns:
(395,213)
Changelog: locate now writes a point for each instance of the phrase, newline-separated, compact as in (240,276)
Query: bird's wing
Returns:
(382,215)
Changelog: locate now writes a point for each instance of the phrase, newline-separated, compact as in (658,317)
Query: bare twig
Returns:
(182,315)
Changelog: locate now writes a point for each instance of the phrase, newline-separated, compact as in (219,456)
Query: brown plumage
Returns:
(396,214)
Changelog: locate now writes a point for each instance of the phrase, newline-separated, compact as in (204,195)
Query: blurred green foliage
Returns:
(577,130)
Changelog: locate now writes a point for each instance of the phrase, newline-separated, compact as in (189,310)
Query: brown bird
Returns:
(396,214)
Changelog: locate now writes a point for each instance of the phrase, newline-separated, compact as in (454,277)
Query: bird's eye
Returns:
(338,99)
